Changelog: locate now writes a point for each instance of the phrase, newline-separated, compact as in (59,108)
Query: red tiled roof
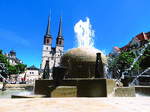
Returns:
(125,47)
(142,36)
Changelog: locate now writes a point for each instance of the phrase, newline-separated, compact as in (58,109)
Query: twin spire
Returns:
(48,27)
(59,30)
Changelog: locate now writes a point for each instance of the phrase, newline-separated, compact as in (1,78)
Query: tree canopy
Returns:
(19,68)
(124,61)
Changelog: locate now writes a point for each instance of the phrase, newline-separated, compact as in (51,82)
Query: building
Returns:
(135,44)
(29,76)
(32,74)
(49,53)
(13,60)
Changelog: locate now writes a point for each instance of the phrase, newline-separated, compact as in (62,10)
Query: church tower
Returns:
(59,44)
(47,45)
(51,55)
(60,39)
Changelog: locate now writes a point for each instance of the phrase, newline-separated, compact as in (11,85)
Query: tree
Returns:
(12,70)
(145,59)
(1,51)
(126,59)
(20,68)
(3,59)
(122,62)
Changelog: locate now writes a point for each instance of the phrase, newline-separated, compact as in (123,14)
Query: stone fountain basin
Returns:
(86,87)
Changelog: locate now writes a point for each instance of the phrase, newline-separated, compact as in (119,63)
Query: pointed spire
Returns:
(48,27)
(60,28)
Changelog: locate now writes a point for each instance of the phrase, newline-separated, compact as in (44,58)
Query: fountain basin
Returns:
(83,87)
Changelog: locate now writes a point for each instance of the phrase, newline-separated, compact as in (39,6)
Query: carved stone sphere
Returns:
(80,62)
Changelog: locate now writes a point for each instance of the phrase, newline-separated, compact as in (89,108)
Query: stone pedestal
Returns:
(84,87)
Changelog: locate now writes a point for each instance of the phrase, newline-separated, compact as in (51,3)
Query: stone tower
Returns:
(49,53)
(59,44)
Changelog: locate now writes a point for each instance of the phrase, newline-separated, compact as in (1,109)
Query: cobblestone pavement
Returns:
(115,104)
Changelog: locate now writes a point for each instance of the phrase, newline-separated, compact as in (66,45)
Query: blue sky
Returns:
(23,23)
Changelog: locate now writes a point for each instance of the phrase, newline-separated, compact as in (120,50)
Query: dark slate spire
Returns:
(60,29)
(48,27)
(47,36)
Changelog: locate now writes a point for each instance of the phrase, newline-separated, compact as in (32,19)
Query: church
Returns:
(51,55)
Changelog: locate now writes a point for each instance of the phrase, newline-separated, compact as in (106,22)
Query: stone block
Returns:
(41,87)
(92,88)
(143,90)
(64,91)
(125,92)
(95,87)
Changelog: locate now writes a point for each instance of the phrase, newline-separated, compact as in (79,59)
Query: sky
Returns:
(23,23)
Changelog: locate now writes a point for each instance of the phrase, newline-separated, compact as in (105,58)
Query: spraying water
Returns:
(85,39)
(136,59)
(146,70)
(84,34)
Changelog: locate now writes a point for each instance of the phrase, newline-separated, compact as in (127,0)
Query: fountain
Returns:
(81,71)
(80,61)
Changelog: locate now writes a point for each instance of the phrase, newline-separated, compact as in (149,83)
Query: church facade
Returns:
(52,55)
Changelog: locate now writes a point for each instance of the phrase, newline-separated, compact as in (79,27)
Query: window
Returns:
(60,42)
(47,41)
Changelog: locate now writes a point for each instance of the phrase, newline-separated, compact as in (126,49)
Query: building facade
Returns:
(49,53)
(135,45)
(32,74)
(29,76)
(13,60)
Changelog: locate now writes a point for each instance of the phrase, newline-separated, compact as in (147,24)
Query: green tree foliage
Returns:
(19,68)
(145,59)
(12,69)
(122,62)
(3,59)
(125,59)
(1,51)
